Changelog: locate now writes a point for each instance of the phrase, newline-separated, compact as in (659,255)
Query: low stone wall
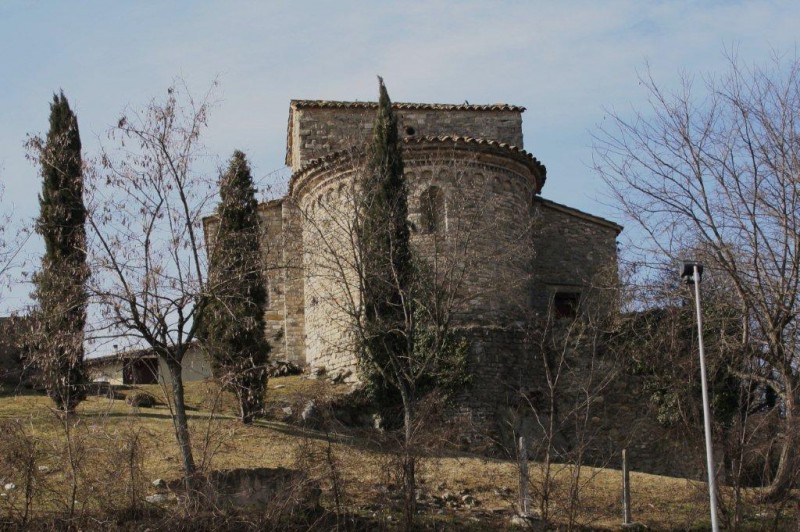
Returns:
(623,418)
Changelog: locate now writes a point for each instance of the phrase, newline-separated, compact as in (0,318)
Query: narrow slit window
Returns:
(432,210)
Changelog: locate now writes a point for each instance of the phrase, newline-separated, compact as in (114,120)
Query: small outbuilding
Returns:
(142,366)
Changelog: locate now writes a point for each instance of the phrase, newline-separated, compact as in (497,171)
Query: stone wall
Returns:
(481,249)
(317,129)
(599,409)
(293,276)
(272,248)
(330,280)
(571,249)
(506,372)
(622,417)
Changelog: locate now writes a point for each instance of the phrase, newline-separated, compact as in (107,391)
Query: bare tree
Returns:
(577,369)
(147,200)
(12,239)
(658,344)
(717,169)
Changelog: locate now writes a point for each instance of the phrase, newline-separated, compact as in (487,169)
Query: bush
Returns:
(141,400)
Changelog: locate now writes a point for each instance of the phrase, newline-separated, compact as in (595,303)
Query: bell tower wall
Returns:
(317,128)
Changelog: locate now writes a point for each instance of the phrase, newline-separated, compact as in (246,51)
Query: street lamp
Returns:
(693,274)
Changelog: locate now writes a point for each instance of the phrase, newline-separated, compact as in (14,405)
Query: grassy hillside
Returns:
(107,436)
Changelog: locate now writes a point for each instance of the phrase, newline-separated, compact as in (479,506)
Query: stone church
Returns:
(511,258)
(475,206)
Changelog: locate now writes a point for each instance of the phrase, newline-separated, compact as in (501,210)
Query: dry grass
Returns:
(221,442)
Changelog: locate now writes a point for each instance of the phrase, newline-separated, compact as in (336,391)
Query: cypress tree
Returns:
(61,283)
(234,318)
(385,253)
(386,352)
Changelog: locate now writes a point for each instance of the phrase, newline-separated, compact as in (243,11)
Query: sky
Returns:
(568,62)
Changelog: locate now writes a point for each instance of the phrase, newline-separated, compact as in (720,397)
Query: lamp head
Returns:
(687,276)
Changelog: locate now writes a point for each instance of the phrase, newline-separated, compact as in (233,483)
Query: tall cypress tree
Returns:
(61,282)
(385,253)
(234,318)
(386,353)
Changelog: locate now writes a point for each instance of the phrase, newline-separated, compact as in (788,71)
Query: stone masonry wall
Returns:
(570,248)
(616,407)
(481,249)
(293,275)
(272,251)
(622,417)
(505,372)
(509,396)
(316,132)
(482,244)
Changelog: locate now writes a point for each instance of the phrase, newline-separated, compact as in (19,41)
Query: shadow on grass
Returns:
(364,440)
(160,412)
(20,391)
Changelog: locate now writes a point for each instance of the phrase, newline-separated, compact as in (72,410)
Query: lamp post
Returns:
(693,274)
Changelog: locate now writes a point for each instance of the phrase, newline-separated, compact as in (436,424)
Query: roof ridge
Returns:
(419,140)
(577,212)
(406,105)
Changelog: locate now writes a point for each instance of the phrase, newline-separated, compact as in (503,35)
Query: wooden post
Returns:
(626,490)
(524,495)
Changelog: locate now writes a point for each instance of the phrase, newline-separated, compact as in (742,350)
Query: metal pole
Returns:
(524,494)
(626,490)
(712,484)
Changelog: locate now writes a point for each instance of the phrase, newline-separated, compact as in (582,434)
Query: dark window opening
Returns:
(565,304)
(432,210)
(410,131)
(140,370)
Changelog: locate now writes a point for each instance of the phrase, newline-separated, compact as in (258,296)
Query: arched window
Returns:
(432,210)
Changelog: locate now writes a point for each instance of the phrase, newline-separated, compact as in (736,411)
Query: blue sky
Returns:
(565,61)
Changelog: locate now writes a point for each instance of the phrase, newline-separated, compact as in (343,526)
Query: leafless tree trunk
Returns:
(181,422)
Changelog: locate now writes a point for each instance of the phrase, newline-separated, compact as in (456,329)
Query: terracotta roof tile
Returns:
(320,104)
(446,139)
